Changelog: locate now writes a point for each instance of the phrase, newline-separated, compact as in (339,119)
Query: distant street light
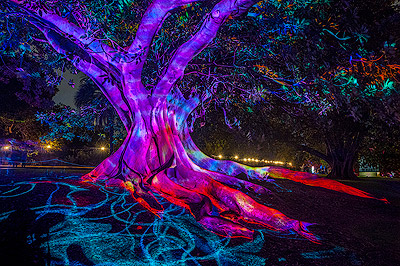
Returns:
(6,147)
(48,147)
(103,148)
(236,157)
(220,156)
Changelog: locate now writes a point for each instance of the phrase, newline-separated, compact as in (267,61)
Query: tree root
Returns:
(219,208)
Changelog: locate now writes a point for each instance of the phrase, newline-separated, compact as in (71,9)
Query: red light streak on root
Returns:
(216,206)
(223,227)
(146,199)
(237,211)
(316,181)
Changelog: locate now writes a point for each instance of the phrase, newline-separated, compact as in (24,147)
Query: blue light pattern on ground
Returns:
(74,223)
(115,230)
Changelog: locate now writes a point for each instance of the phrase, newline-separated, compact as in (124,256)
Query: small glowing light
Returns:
(236,157)
(257,160)
(103,148)
(245,159)
(48,147)
(253,159)
(290,164)
(220,156)
(6,147)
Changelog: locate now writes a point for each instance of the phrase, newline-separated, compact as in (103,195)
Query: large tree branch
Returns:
(312,151)
(108,82)
(151,22)
(92,59)
(184,107)
(207,32)
(96,48)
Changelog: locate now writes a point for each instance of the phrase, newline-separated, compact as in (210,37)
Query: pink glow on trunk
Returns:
(158,155)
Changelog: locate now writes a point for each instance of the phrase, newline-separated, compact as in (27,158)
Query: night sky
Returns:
(66,93)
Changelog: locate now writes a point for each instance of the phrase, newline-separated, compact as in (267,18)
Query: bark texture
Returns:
(158,156)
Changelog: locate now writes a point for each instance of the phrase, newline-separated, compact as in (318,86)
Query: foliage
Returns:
(90,96)
(24,54)
(68,123)
(330,71)
(381,149)
(65,122)
(23,93)
(158,155)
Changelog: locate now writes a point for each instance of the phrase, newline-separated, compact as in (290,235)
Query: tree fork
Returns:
(154,157)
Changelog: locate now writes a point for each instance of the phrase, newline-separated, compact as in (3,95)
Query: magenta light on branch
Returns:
(158,155)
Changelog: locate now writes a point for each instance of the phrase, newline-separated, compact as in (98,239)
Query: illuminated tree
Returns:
(109,45)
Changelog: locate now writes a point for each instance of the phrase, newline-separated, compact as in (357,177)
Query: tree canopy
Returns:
(330,70)
(161,72)
(23,93)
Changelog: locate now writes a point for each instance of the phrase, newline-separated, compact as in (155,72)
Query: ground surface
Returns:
(49,217)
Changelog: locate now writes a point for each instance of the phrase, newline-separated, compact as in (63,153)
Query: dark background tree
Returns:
(89,94)
(23,93)
(329,68)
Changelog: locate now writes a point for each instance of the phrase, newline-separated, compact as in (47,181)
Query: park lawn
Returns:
(56,219)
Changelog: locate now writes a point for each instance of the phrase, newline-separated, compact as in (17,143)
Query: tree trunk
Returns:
(342,153)
(152,159)
(342,167)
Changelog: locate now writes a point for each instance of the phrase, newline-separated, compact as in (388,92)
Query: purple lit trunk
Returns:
(152,159)
(158,155)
